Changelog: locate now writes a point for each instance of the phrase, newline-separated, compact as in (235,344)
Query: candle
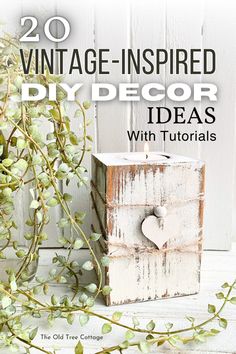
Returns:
(145,156)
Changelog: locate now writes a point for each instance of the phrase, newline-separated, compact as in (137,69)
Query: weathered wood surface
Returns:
(124,194)
(217,267)
(154,24)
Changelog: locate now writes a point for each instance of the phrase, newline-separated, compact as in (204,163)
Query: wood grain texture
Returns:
(219,196)
(183,17)
(112,31)
(148,30)
(124,195)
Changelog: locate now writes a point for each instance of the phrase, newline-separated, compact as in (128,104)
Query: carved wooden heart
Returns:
(152,229)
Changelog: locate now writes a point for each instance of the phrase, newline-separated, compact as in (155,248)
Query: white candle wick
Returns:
(146,150)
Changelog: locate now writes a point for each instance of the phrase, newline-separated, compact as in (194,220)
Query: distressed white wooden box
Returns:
(126,192)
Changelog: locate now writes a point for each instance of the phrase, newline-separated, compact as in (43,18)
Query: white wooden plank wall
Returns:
(147,31)
(112,31)
(219,24)
(154,24)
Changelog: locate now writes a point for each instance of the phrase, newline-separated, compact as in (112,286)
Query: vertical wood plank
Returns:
(112,31)
(42,11)
(148,31)
(183,31)
(80,14)
(220,160)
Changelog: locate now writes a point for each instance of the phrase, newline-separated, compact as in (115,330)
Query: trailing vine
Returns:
(31,161)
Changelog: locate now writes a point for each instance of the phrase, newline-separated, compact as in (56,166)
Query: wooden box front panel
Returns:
(123,198)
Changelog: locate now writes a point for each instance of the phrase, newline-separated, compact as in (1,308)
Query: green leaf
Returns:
(105,261)
(149,337)
(43,236)
(21,164)
(161,341)
(6,301)
(129,335)
(2,255)
(63,223)
(211,308)
(79,216)
(78,244)
(233,300)
(88,265)
(37,160)
(7,192)
(62,280)
(28,236)
(95,236)
(54,300)
(79,349)
(116,316)
(106,328)
(21,143)
(106,290)
(78,113)
(135,322)
(168,326)
(45,289)
(83,319)
(144,347)
(92,288)
(86,104)
(223,323)
(51,320)
(55,114)
(215,331)
(90,301)
(67,197)
(150,326)
(220,295)
(190,319)
(83,298)
(34,204)
(33,333)
(73,139)
(201,338)
(7,162)
(89,138)
(21,253)
(50,136)
(13,285)
(70,318)
(52,202)
(124,345)
(225,285)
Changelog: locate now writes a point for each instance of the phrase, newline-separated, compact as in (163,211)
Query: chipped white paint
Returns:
(124,194)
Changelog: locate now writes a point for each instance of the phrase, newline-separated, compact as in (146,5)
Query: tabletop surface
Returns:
(217,268)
